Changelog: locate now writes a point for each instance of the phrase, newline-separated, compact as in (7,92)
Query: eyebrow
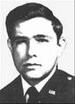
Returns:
(40,36)
(19,38)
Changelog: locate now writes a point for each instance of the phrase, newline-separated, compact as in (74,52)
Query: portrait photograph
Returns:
(37,51)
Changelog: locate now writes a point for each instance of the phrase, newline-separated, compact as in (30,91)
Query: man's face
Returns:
(34,48)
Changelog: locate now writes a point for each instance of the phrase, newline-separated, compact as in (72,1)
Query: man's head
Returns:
(34,40)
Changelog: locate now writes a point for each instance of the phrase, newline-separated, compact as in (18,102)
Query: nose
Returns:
(32,48)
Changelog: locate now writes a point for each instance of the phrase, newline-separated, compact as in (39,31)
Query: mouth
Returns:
(30,64)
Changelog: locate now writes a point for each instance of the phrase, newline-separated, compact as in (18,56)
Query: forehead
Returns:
(34,26)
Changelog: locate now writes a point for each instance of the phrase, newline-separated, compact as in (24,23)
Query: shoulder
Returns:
(11,85)
(65,79)
(65,86)
(10,90)
(64,76)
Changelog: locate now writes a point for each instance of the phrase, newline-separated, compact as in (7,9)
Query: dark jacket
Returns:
(59,89)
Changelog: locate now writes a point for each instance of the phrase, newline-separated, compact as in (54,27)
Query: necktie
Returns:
(31,95)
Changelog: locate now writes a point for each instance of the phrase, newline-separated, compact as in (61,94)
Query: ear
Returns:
(9,44)
(61,46)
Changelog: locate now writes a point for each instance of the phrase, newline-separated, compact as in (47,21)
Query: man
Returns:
(35,43)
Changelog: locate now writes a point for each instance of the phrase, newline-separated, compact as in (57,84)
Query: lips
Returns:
(30,64)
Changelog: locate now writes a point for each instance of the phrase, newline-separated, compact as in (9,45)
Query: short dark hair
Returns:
(28,11)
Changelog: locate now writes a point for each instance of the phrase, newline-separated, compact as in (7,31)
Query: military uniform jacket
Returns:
(59,89)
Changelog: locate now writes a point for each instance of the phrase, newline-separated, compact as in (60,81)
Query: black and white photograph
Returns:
(37,51)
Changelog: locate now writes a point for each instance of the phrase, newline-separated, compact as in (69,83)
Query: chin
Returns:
(33,80)
(33,76)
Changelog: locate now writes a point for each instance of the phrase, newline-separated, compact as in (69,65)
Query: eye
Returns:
(19,41)
(42,40)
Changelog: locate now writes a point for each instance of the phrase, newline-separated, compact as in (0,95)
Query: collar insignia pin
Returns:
(52,92)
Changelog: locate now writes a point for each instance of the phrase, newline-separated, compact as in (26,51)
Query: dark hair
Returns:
(28,11)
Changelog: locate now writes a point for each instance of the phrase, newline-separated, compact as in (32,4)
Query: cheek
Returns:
(19,53)
(21,50)
(48,53)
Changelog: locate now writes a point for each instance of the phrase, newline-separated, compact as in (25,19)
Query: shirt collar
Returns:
(40,85)
(25,85)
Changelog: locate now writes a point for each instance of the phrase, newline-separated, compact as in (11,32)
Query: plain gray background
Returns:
(64,10)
